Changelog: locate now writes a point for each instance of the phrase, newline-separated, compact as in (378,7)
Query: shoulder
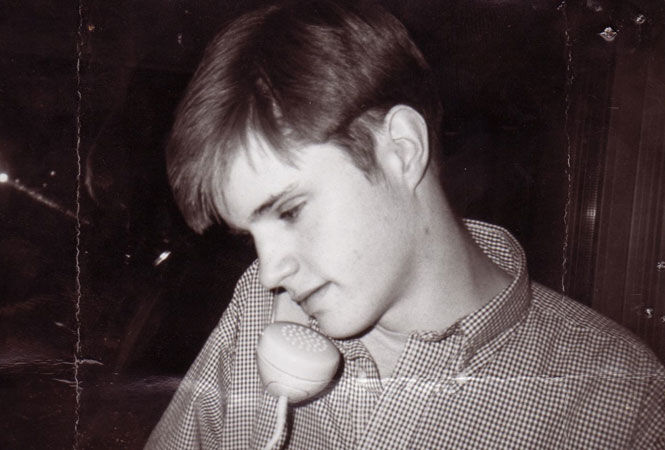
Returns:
(223,370)
(248,311)
(249,297)
(582,338)
(248,284)
(239,325)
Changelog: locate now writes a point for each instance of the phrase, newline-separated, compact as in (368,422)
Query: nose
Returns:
(276,264)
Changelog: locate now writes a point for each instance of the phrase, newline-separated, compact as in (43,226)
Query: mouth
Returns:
(306,297)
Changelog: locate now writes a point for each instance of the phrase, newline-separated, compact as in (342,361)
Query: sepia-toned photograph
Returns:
(332,224)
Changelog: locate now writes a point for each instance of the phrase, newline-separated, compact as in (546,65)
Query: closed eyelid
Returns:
(292,212)
(291,208)
(273,202)
(292,203)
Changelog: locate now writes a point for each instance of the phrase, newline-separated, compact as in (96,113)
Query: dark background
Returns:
(554,128)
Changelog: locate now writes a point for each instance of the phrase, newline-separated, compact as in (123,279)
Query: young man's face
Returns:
(337,242)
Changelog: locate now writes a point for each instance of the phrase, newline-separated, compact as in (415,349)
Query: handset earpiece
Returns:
(295,361)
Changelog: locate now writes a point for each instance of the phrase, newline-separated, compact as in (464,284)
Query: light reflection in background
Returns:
(16,184)
(590,214)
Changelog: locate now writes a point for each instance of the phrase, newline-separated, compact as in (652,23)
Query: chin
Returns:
(340,329)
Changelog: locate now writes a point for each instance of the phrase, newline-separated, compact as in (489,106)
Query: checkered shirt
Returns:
(531,369)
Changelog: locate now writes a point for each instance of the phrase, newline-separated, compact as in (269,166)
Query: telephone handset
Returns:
(294,361)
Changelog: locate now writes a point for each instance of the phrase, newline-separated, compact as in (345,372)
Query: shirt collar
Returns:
(498,316)
(509,307)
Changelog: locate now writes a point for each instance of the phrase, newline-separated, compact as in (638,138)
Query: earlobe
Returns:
(408,143)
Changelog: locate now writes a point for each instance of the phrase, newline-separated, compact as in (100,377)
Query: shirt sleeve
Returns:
(195,416)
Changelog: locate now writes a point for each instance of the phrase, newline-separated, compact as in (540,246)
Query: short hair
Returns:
(301,72)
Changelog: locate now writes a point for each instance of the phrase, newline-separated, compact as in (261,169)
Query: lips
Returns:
(305,299)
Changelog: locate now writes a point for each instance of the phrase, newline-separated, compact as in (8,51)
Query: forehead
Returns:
(254,171)
(259,175)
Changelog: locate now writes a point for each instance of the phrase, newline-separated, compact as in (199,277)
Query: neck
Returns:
(452,276)
(385,346)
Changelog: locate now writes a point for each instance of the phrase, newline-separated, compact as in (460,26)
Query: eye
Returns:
(291,214)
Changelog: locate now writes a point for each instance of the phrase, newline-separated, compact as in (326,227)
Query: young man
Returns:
(313,127)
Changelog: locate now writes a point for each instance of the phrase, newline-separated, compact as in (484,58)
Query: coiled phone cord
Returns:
(282,405)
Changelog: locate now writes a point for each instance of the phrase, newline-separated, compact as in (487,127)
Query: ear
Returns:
(407,149)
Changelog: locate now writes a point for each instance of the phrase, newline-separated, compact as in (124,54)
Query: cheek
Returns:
(346,232)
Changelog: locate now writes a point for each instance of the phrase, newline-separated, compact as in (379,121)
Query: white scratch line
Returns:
(570,76)
(77,351)
(60,380)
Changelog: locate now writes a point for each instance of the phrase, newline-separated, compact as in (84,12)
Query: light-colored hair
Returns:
(302,72)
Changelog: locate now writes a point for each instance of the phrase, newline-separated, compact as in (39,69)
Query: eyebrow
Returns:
(270,202)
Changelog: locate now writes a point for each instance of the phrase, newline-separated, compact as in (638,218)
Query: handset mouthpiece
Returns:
(295,361)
